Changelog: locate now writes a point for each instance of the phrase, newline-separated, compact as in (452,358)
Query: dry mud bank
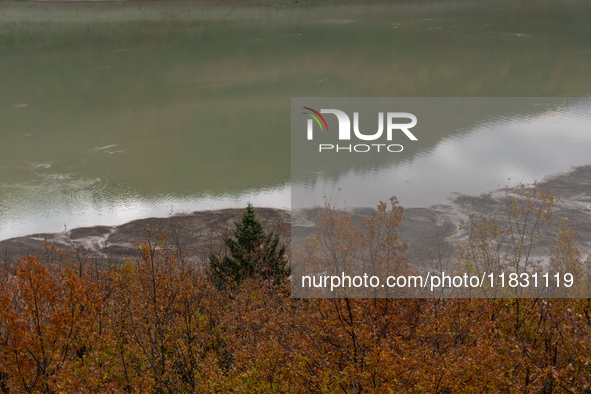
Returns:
(197,233)
(423,229)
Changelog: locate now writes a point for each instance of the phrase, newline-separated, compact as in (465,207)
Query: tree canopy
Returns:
(252,252)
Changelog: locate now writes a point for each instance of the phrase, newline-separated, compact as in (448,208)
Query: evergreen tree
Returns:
(253,252)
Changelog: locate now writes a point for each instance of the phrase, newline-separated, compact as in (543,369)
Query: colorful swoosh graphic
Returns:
(316,118)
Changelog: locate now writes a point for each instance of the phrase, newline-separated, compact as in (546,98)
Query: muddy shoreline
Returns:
(200,233)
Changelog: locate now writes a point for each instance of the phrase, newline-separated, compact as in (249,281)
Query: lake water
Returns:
(464,145)
(115,111)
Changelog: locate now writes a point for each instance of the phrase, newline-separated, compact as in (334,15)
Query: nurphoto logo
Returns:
(344,133)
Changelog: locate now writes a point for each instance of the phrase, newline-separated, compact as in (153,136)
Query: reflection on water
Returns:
(54,204)
(495,153)
(113,111)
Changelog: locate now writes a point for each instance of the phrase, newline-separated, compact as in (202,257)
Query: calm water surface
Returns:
(115,111)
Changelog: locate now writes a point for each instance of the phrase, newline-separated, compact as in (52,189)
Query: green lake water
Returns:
(115,111)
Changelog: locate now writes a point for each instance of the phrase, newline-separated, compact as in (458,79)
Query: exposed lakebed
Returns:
(421,227)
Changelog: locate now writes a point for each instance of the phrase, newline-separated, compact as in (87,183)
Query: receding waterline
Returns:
(67,213)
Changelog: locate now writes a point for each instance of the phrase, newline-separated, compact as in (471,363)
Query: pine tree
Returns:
(253,253)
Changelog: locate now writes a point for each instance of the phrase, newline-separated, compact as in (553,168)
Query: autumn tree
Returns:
(340,247)
(523,241)
(48,331)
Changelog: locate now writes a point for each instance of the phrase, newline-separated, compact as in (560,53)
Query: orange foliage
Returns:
(157,325)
